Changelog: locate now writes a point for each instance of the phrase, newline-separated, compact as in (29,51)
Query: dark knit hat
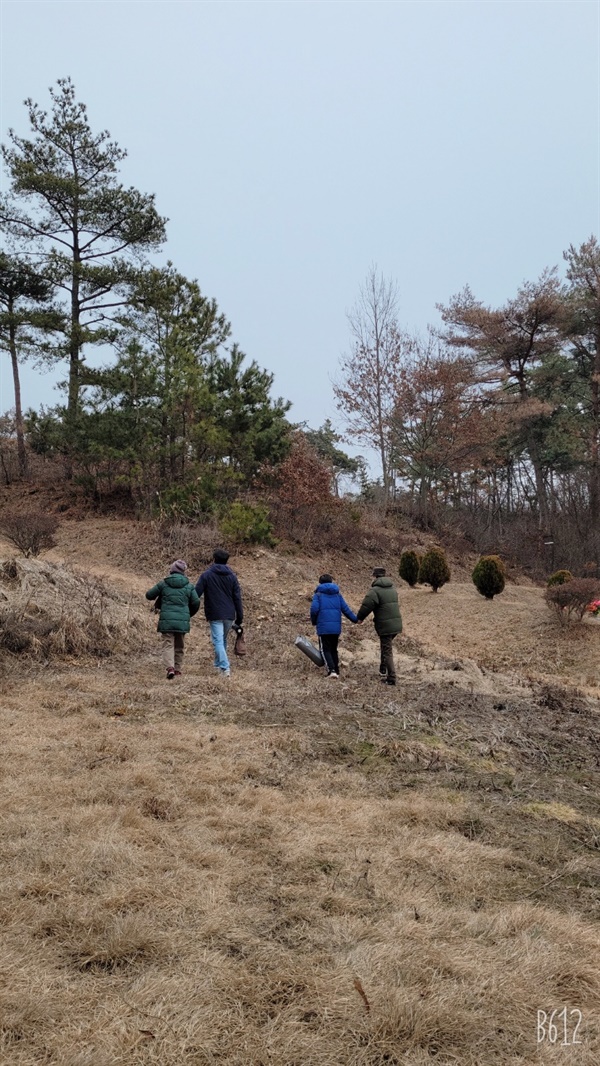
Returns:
(379,571)
(220,556)
(178,567)
(325,579)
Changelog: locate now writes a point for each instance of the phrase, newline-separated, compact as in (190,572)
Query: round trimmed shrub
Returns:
(489,576)
(434,569)
(559,577)
(409,568)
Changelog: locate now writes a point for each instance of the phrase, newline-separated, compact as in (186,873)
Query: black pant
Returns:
(387,657)
(329,651)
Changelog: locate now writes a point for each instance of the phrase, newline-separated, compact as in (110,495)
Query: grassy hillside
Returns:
(284,870)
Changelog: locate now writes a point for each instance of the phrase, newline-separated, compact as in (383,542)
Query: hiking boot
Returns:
(390,680)
(170,674)
(333,674)
(383,670)
(178,673)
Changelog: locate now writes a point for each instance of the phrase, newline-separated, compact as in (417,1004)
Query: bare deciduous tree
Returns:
(366,386)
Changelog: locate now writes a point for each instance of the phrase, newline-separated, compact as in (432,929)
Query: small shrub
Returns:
(9,570)
(559,577)
(434,569)
(184,503)
(489,576)
(244,524)
(409,567)
(32,532)
(571,599)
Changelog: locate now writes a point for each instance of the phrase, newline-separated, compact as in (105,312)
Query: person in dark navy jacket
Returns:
(326,611)
(222,605)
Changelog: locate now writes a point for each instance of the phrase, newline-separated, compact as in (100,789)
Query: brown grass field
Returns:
(281,870)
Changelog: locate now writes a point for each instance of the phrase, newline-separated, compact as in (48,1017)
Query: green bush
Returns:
(409,567)
(180,503)
(208,488)
(244,524)
(489,576)
(434,569)
(559,577)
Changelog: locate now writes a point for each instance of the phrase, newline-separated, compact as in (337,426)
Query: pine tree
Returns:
(26,318)
(82,223)
(178,406)
(509,343)
(324,441)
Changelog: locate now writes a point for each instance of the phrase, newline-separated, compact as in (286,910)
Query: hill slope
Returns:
(286,870)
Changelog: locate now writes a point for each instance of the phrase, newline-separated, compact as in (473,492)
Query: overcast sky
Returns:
(294,144)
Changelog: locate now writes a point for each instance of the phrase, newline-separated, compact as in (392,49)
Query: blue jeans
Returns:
(218,633)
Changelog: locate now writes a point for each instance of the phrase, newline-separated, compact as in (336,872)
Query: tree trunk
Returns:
(21,449)
(380,425)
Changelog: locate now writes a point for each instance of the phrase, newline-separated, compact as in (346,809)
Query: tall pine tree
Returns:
(66,204)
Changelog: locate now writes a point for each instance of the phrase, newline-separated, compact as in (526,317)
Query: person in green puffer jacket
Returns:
(382,600)
(178,601)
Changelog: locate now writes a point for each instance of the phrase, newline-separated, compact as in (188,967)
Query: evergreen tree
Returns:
(434,569)
(177,406)
(254,426)
(582,328)
(180,332)
(26,317)
(509,344)
(67,204)
(324,441)
(489,576)
(409,567)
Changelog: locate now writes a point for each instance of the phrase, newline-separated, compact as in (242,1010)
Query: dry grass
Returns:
(49,611)
(279,872)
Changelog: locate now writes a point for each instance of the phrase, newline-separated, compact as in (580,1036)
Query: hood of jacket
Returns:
(383,583)
(177,581)
(328,589)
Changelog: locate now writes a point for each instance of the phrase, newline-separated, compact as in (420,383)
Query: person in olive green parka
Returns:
(382,600)
(178,601)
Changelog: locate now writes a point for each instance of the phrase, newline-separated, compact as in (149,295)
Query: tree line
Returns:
(178,410)
(493,418)
(495,415)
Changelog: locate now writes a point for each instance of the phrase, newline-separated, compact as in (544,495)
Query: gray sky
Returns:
(294,144)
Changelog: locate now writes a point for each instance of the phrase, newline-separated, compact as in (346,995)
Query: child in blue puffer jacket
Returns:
(326,611)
